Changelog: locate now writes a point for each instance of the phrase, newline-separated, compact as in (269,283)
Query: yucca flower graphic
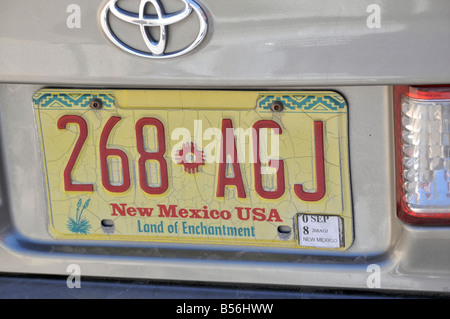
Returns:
(79,225)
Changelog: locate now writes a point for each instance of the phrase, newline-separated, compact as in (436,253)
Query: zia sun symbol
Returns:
(190,157)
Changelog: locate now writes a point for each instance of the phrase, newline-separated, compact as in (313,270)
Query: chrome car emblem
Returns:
(157,49)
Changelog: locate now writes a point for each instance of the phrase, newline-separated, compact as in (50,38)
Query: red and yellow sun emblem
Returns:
(190,157)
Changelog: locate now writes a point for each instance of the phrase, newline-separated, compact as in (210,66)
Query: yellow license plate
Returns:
(206,167)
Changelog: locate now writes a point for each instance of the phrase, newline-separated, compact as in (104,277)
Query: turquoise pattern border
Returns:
(71,100)
(305,103)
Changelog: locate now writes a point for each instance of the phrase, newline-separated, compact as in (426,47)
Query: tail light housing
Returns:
(422,129)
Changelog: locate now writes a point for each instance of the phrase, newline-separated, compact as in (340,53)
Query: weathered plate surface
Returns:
(181,166)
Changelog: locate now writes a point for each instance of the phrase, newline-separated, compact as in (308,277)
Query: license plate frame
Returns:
(229,218)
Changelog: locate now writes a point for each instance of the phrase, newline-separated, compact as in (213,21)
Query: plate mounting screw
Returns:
(277,106)
(96,104)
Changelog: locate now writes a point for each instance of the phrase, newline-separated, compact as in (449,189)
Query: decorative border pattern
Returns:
(306,103)
(70,100)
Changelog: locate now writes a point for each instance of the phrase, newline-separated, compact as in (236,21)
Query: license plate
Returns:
(206,167)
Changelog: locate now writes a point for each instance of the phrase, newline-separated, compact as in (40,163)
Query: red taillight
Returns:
(422,138)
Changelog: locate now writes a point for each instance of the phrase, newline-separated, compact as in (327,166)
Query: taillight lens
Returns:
(422,115)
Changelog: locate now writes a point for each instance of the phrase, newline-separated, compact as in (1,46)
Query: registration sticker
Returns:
(184,166)
(321,231)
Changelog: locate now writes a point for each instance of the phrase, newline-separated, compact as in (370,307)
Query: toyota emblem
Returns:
(162,20)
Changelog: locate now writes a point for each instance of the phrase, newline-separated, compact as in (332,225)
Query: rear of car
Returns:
(121,157)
